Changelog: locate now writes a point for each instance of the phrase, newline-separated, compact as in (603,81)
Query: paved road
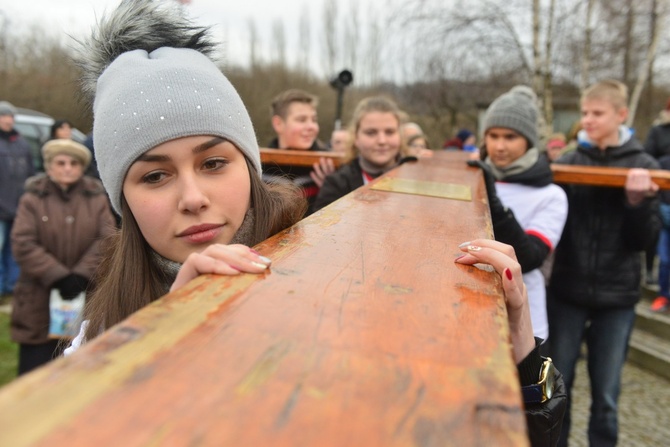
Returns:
(644,412)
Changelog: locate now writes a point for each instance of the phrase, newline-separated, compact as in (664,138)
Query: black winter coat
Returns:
(597,262)
(340,183)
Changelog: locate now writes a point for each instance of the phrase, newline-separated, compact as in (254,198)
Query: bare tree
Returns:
(586,57)
(644,70)
(254,59)
(330,35)
(304,38)
(352,36)
(547,85)
(279,43)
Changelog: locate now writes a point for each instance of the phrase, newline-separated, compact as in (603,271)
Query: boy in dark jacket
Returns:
(595,282)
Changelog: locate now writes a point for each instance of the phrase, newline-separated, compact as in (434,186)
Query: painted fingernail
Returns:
(508,273)
(474,248)
(265,260)
(460,257)
(464,244)
(259,265)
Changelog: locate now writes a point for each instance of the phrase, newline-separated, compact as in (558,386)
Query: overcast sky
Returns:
(228,18)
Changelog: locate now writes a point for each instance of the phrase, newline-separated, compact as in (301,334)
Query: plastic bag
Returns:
(64,314)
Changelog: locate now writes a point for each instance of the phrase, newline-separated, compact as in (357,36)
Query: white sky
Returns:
(229,19)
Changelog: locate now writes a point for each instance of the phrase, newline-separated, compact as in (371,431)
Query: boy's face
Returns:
(504,145)
(300,127)
(601,121)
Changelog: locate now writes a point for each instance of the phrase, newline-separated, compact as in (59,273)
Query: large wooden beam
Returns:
(364,332)
(291,157)
(603,176)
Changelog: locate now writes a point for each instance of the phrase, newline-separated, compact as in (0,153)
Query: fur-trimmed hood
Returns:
(40,185)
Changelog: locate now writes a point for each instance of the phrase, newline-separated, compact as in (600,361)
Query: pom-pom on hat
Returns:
(516,110)
(153,82)
(66,147)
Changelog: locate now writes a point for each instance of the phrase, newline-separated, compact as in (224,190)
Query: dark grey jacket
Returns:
(16,165)
(597,262)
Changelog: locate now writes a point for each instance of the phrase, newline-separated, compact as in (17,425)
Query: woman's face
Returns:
(64,170)
(504,145)
(378,138)
(188,193)
(64,132)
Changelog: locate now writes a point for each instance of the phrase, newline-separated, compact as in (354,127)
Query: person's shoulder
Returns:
(36,184)
(92,186)
(634,156)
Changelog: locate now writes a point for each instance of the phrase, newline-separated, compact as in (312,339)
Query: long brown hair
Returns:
(128,280)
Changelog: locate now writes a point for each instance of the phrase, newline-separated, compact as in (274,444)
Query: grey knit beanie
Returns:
(516,110)
(163,90)
(6,108)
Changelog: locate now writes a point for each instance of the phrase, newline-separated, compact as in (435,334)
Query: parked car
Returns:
(35,127)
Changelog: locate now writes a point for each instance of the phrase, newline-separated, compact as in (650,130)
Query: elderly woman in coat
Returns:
(61,218)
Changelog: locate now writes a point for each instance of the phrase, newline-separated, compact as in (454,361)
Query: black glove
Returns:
(71,286)
(530,250)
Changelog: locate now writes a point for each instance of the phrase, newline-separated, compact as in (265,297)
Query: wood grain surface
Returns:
(294,157)
(603,176)
(363,333)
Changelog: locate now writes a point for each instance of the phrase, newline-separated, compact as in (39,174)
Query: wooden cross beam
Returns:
(292,157)
(603,176)
(363,332)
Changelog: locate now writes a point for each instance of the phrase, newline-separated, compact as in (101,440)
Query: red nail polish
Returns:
(508,273)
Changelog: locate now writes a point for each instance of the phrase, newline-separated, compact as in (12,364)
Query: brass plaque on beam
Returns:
(431,189)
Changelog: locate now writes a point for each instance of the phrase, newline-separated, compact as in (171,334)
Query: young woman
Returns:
(376,148)
(178,156)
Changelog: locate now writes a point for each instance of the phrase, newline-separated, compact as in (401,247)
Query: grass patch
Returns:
(9,352)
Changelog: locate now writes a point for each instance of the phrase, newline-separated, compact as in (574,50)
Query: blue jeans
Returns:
(663,251)
(9,270)
(606,332)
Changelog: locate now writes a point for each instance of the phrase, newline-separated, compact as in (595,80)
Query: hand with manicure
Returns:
(222,260)
(503,259)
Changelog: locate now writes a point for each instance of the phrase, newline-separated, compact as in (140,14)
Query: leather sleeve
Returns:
(546,420)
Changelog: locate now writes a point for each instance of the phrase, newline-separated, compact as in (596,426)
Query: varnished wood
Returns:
(291,157)
(363,333)
(603,176)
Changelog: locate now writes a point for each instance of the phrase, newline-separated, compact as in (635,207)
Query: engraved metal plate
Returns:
(431,189)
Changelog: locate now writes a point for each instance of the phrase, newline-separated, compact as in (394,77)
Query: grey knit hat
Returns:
(6,108)
(162,90)
(516,110)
